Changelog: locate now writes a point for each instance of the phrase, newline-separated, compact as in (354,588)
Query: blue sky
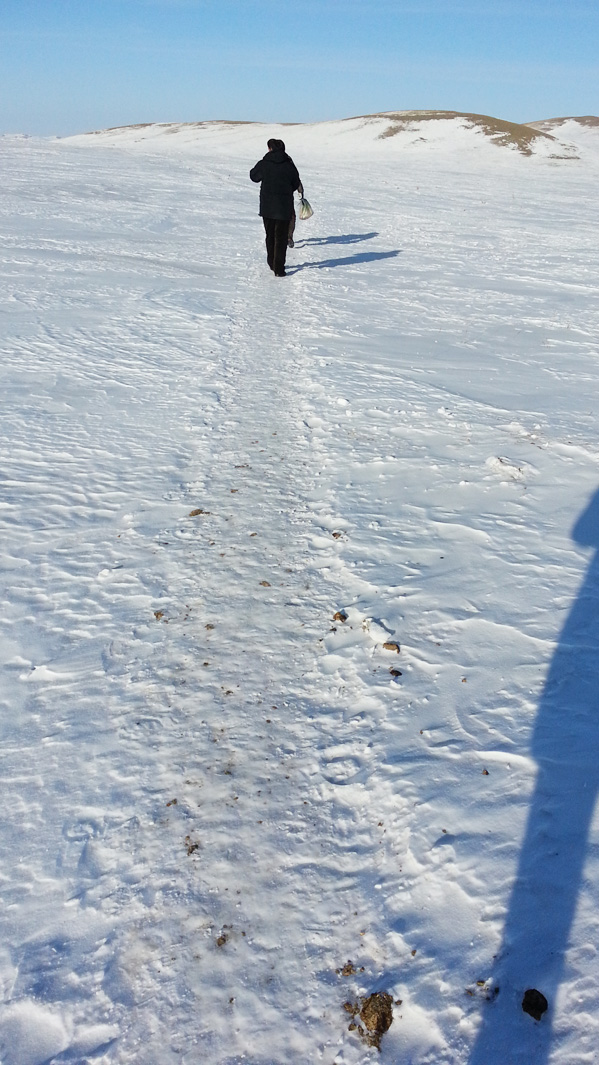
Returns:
(69,66)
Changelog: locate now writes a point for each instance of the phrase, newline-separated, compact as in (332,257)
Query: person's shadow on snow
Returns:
(349,260)
(565,743)
(346,238)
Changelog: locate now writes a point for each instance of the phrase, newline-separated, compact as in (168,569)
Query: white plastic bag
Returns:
(305,210)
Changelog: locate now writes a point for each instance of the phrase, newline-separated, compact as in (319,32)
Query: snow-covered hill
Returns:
(382,135)
(582,132)
(300,605)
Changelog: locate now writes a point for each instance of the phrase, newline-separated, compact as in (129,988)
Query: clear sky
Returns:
(69,66)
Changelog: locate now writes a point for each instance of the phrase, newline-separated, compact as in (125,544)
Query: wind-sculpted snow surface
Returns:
(299,614)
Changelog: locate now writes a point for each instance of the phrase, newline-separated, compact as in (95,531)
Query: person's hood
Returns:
(276,156)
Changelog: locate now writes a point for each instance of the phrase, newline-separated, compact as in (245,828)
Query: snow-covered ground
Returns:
(225,812)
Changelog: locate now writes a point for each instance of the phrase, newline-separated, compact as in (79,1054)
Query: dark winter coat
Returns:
(280,179)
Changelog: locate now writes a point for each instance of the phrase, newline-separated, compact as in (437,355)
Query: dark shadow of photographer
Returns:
(565,743)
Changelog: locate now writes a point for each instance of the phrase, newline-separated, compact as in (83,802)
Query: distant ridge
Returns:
(415,131)
(592,121)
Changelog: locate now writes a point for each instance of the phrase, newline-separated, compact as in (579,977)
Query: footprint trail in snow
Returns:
(285,567)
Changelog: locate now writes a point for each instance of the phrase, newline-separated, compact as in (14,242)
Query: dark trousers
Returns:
(277,231)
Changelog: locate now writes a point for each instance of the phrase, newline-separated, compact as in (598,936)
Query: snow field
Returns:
(217,794)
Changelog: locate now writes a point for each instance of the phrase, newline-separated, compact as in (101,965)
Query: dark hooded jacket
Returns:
(280,179)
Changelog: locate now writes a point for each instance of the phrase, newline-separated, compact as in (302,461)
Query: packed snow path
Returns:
(217,795)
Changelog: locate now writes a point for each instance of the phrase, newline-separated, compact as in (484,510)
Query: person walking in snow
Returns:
(279,179)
